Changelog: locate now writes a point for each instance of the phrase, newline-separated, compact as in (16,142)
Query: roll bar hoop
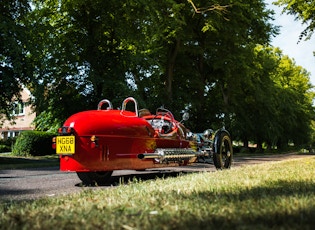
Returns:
(128,99)
(104,101)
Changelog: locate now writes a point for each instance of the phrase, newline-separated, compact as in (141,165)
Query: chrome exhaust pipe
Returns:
(171,155)
(148,156)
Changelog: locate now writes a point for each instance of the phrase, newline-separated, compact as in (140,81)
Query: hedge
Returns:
(33,143)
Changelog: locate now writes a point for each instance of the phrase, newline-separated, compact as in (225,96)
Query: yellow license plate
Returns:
(65,144)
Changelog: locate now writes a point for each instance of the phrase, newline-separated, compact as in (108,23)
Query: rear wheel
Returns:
(223,150)
(95,178)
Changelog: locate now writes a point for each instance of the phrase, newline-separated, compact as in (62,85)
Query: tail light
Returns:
(94,142)
(53,145)
(65,130)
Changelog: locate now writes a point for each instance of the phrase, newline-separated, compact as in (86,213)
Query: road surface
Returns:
(29,184)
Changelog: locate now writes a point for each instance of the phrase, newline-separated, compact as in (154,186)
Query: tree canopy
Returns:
(211,58)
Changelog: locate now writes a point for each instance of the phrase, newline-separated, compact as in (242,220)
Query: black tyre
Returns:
(95,178)
(223,150)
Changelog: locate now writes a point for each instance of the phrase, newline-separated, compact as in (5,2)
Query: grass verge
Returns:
(278,195)
(7,161)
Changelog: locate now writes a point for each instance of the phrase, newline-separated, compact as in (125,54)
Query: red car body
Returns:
(94,143)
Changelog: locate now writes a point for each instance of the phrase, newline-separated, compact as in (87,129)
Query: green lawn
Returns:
(278,195)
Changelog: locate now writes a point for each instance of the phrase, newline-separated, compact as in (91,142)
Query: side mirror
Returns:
(185,116)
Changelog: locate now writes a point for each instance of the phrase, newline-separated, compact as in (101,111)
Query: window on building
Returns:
(19,109)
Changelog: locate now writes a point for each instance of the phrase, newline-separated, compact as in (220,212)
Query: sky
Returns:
(288,38)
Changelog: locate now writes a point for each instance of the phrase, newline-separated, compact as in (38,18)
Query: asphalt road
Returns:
(29,184)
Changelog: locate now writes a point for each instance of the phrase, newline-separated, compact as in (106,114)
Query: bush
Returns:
(33,143)
(5,148)
(6,145)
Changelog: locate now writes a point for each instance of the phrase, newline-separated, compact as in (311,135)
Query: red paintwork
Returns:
(121,136)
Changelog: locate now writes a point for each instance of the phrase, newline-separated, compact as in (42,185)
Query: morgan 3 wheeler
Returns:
(94,143)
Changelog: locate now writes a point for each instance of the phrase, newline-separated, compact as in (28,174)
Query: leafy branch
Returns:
(202,10)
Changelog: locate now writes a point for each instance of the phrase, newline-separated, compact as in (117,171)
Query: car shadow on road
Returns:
(137,177)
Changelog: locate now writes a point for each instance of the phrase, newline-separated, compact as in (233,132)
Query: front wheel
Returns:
(95,178)
(223,150)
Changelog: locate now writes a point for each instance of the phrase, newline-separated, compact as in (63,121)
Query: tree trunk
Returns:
(171,57)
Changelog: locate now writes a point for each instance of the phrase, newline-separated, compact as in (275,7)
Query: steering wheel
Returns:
(162,125)
(158,125)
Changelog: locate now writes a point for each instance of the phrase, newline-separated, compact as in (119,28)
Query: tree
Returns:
(254,105)
(222,59)
(276,103)
(90,66)
(295,102)
(302,10)
(14,70)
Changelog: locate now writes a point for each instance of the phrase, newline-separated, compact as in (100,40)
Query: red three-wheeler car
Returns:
(94,143)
